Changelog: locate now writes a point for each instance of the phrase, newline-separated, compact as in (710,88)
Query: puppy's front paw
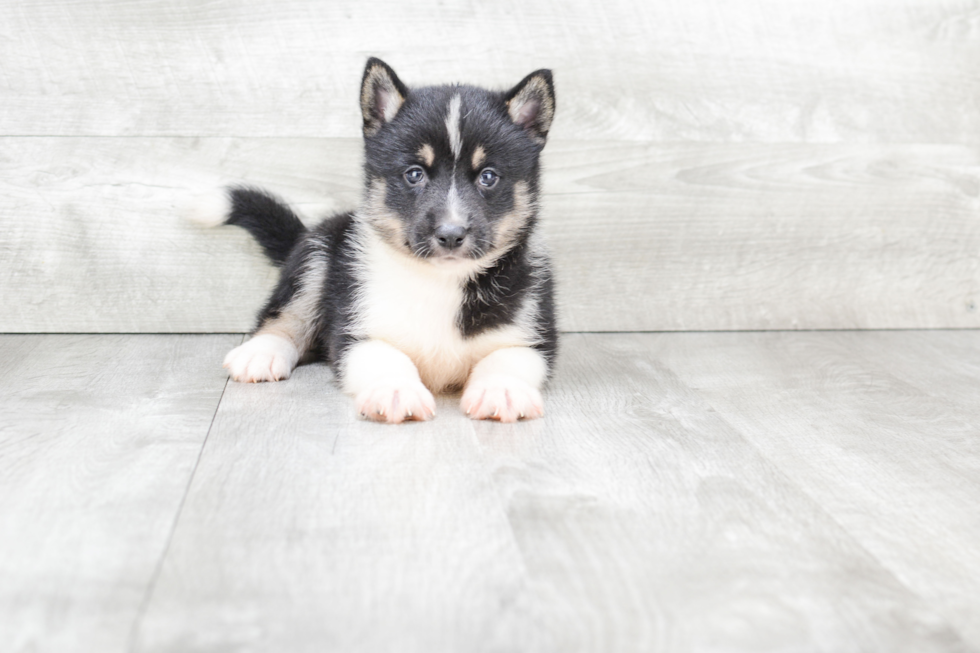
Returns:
(263,358)
(396,401)
(501,397)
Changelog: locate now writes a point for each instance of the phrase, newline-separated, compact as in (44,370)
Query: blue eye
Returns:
(488,178)
(414,176)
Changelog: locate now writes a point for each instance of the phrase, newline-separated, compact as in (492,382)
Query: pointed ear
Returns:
(531,104)
(382,95)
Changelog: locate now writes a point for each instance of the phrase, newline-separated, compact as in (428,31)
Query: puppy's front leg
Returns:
(267,356)
(385,384)
(505,386)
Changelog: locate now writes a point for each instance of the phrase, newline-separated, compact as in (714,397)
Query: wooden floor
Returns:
(812,491)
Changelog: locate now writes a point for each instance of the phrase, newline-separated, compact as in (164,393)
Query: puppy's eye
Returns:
(414,176)
(488,178)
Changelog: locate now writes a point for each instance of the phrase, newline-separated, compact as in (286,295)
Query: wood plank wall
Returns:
(715,164)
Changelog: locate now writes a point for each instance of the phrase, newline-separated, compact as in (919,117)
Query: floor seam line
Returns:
(151,586)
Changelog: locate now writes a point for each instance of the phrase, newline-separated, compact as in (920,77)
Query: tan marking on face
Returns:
(384,221)
(509,226)
(427,155)
(479,156)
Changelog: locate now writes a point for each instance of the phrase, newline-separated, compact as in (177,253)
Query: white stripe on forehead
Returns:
(452,126)
(454,206)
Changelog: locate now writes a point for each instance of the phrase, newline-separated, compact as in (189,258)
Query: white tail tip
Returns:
(208,209)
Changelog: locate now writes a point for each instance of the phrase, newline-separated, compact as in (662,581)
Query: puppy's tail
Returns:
(267,218)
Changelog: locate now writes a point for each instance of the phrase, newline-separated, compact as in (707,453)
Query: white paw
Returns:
(501,397)
(396,401)
(263,358)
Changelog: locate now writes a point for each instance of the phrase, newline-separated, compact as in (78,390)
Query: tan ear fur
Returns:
(531,104)
(382,95)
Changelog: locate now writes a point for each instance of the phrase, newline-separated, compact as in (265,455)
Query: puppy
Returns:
(439,282)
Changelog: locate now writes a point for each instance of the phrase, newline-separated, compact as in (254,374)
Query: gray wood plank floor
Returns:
(808,491)
(98,440)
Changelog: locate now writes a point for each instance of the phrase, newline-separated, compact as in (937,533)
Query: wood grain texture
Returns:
(945,366)
(645,236)
(695,70)
(715,164)
(633,517)
(692,237)
(309,530)
(647,522)
(94,237)
(98,439)
(882,430)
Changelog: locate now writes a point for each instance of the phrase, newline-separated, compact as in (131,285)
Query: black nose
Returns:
(450,236)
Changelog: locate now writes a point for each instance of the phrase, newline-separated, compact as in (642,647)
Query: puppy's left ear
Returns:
(382,95)
(531,104)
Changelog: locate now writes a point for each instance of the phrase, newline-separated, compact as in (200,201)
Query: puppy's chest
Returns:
(416,311)
(416,308)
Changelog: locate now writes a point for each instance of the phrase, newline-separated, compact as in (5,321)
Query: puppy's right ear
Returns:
(382,95)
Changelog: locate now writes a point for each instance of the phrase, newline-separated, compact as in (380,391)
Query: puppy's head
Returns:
(452,171)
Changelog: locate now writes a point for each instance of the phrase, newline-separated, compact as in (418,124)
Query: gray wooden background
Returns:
(715,164)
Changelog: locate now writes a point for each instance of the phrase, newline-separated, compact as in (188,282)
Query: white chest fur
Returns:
(414,305)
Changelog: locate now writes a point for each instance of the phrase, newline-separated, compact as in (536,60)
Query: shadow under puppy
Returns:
(439,281)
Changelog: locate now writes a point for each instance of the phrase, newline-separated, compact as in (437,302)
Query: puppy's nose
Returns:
(450,236)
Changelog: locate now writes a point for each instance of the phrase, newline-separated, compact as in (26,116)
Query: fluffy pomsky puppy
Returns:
(439,281)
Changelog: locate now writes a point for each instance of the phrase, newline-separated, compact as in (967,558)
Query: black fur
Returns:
(270,221)
(492,299)
(338,298)
(329,240)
